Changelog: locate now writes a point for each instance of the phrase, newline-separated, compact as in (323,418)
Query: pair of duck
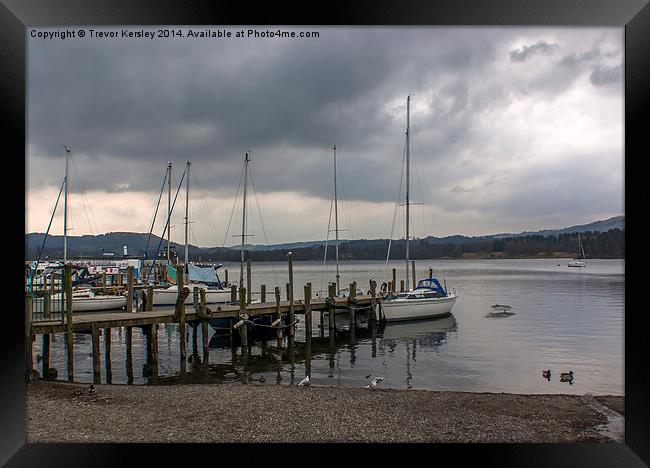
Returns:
(564,376)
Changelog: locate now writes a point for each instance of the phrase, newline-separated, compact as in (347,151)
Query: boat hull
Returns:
(88,304)
(576,264)
(418,309)
(165,297)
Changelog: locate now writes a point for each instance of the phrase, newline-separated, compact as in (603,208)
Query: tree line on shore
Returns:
(610,244)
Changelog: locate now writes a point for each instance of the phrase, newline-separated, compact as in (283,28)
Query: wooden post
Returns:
(150,298)
(292,328)
(29,353)
(96,359)
(128,337)
(129,285)
(263,293)
(307,303)
(107,355)
(180,277)
(373,301)
(351,299)
(394,280)
(226,276)
(153,345)
(181,330)
(68,320)
(413,273)
(401,286)
(248,281)
(278,314)
(331,294)
(287,291)
(430,272)
(243,329)
(196,301)
(233,294)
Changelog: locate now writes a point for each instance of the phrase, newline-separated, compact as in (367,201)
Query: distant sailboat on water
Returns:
(578,262)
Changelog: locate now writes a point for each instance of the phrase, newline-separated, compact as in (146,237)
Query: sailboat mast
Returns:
(187,207)
(169,209)
(243,223)
(408,118)
(336,225)
(65,207)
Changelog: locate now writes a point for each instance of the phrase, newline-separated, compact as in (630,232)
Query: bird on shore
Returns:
(499,306)
(547,374)
(92,390)
(374,382)
(566,376)
(304,382)
(77,392)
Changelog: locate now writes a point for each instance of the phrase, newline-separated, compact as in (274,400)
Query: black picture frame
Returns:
(634,15)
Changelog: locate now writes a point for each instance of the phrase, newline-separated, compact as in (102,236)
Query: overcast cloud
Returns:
(513,128)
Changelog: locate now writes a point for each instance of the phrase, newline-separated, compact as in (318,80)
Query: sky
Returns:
(512,129)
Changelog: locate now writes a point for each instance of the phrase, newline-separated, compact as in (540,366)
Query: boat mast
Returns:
(408,117)
(169,208)
(336,225)
(65,207)
(243,223)
(187,207)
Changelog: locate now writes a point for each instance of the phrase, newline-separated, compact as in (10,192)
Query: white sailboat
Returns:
(428,299)
(84,299)
(578,262)
(214,293)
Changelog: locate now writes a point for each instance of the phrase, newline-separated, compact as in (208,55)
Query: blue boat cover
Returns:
(433,284)
(207,275)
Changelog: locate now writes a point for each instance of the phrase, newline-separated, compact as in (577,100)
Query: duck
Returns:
(566,376)
(92,390)
(546,374)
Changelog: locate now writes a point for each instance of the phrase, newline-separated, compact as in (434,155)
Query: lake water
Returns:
(564,319)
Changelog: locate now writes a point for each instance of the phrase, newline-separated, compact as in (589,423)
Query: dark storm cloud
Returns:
(520,55)
(126,107)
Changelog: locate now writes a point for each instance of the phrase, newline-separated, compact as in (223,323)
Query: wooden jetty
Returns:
(240,309)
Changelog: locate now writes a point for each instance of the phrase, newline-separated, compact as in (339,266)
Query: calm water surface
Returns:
(564,319)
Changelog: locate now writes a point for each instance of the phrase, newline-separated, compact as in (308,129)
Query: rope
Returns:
(234,204)
(399,192)
(146,248)
(83,196)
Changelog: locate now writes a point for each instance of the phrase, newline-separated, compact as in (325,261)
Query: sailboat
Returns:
(579,260)
(84,298)
(428,299)
(195,276)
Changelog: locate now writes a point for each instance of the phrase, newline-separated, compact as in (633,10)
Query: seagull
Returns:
(499,306)
(262,379)
(92,390)
(546,374)
(77,392)
(304,382)
(374,382)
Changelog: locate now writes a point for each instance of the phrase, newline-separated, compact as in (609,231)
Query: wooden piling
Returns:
(107,355)
(401,286)
(430,272)
(226,277)
(394,280)
(263,293)
(243,329)
(233,294)
(413,273)
(152,348)
(373,301)
(331,294)
(248,281)
(278,314)
(128,338)
(129,285)
(292,328)
(287,290)
(351,301)
(149,298)
(29,353)
(96,358)
(67,272)
(307,303)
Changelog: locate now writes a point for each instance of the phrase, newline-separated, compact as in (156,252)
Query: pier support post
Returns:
(107,355)
(287,286)
(29,353)
(401,286)
(248,281)
(243,329)
(67,271)
(393,288)
(292,328)
(430,272)
(129,285)
(373,301)
(226,277)
(96,358)
(352,299)
(152,349)
(233,294)
(278,314)
(413,273)
(331,294)
(128,338)
(263,293)
(150,298)
(307,303)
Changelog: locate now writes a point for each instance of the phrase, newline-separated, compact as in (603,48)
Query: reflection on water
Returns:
(560,320)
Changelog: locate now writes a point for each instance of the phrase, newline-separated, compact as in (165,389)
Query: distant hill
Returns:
(137,243)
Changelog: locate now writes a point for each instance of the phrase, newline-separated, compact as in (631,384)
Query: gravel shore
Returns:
(273,413)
